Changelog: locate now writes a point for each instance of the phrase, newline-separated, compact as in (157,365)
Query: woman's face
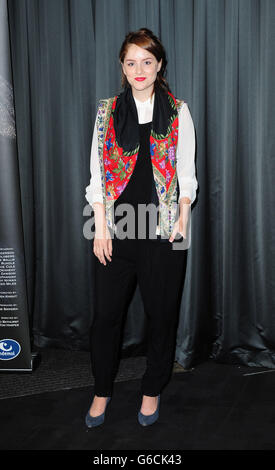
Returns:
(140,63)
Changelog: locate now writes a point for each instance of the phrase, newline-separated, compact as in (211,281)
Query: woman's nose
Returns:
(139,68)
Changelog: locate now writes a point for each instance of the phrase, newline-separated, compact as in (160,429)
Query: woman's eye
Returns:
(146,62)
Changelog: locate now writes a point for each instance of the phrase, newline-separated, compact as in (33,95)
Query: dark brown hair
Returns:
(145,38)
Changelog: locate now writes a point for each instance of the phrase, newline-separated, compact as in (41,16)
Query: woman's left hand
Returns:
(180,225)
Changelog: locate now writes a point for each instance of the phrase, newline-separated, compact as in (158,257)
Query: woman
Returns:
(142,156)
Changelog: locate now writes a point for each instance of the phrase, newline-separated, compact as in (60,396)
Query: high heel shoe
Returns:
(93,421)
(146,420)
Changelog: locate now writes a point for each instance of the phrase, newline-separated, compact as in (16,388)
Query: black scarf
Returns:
(126,117)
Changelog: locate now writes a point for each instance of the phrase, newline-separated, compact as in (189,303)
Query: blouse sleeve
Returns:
(185,158)
(94,189)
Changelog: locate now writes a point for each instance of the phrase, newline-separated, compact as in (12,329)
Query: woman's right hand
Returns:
(103,247)
(102,240)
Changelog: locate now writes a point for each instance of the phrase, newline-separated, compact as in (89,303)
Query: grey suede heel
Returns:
(146,420)
(93,421)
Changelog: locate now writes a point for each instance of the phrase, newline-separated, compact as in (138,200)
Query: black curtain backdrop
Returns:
(221,61)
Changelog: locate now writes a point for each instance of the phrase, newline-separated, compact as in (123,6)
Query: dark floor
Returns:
(59,369)
(214,406)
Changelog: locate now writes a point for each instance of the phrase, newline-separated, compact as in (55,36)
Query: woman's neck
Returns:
(142,96)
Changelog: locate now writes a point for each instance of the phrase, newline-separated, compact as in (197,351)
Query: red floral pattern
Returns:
(119,165)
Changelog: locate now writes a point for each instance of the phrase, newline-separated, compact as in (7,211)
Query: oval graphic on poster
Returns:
(9,349)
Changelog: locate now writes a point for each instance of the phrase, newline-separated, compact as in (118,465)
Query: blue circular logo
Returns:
(9,349)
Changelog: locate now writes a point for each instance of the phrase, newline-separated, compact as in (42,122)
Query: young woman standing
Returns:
(142,155)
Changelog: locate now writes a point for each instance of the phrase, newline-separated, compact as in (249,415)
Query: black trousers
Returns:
(160,272)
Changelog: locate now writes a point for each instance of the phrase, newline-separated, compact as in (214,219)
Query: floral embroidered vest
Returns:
(116,165)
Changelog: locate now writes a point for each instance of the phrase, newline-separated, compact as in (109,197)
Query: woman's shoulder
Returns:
(104,104)
(107,100)
(180,103)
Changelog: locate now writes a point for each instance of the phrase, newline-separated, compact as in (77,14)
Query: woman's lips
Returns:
(140,79)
